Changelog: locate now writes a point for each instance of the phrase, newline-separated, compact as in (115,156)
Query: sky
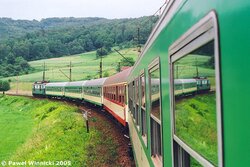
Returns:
(38,9)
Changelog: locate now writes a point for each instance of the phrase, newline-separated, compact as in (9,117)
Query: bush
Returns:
(4,86)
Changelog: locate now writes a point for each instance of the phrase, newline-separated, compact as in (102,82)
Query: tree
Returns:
(54,37)
(106,74)
(40,50)
(101,52)
(11,58)
(21,49)
(57,48)
(210,62)
(4,86)
(129,61)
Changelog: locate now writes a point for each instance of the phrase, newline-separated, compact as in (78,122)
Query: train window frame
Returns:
(133,99)
(129,97)
(203,32)
(137,100)
(144,136)
(154,65)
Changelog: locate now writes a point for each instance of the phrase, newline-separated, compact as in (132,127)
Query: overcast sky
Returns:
(38,9)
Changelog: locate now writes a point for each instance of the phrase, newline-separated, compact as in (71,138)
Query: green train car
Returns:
(38,88)
(56,89)
(193,39)
(74,90)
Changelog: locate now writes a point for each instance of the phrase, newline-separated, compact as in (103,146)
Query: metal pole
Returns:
(197,71)
(87,122)
(119,66)
(17,84)
(177,72)
(139,47)
(101,67)
(43,71)
(70,72)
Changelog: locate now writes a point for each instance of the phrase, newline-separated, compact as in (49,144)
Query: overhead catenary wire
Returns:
(160,9)
(138,31)
(139,39)
(157,12)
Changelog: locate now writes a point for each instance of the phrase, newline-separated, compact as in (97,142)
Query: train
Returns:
(185,100)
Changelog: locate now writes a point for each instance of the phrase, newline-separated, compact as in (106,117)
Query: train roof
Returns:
(40,82)
(119,77)
(95,82)
(76,83)
(176,81)
(57,84)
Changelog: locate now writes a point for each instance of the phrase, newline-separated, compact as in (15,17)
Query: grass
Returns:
(42,130)
(83,66)
(15,127)
(187,67)
(25,86)
(195,124)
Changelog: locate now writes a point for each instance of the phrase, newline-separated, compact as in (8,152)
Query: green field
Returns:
(195,124)
(189,65)
(49,131)
(83,66)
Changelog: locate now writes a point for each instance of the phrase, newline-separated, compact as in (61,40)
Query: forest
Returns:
(22,40)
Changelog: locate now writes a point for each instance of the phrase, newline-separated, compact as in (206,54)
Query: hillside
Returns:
(22,41)
(84,66)
(10,28)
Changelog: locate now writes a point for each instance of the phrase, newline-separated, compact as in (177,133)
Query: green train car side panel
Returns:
(234,37)
(235,59)
(38,92)
(74,92)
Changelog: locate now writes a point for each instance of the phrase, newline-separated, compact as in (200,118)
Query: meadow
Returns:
(195,124)
(44,130)
(84,66)
(189,65)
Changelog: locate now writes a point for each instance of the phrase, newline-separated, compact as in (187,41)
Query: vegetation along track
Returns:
(105,123)
(111,130)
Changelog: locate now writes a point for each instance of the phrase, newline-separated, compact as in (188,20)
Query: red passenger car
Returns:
(115,95)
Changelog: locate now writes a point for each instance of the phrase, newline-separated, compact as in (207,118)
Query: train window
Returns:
(155,111)
(116,93)
(143,108)
(130,97)
(195,97)
(137,101)
(108,92)
(123,94)
(119,94)
(133,97)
